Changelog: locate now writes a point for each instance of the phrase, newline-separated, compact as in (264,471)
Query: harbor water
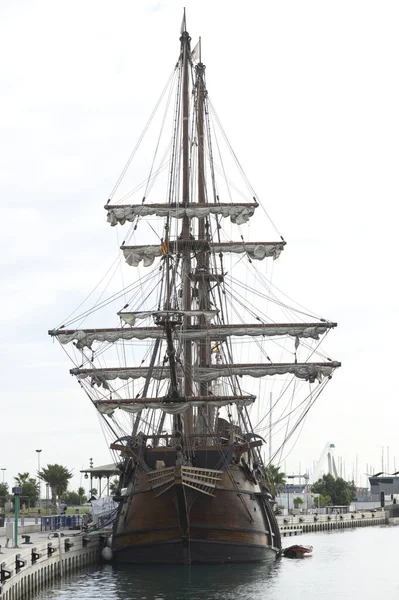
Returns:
(352,563)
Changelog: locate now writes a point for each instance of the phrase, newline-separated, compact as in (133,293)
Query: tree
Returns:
(113,487)
(29,488)
(72,498)
(82,496)
(324,501)
(21,478)
(298,501)
(340,492)
(275,479)
(57,477)
(4,494)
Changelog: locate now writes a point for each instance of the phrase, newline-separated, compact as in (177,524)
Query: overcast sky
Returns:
(308,93)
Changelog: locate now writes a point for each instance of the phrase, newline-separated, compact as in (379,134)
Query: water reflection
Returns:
(197,582)
(343,563)
(216,582)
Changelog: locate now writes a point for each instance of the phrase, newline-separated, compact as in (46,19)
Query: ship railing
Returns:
(194,439)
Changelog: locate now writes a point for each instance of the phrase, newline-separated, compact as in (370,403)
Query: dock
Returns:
(298,524)
(44,556)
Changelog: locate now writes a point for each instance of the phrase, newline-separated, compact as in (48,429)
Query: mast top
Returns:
(183,29)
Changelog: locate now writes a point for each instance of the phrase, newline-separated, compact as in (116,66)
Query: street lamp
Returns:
(91,478)
(38,470)
(17,491)
(318,499)
(47,496)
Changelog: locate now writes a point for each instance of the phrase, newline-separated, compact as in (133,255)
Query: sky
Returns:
(308,93)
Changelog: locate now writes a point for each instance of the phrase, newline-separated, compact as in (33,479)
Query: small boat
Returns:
(297,551)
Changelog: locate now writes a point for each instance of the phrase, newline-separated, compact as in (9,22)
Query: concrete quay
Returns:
(44,557)
(297,524)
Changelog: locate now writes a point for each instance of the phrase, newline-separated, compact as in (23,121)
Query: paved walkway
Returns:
(35,538)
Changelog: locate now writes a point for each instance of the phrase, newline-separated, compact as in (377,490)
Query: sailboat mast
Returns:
(185,234)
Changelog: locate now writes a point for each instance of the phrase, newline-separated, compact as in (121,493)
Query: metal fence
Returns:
(56,522)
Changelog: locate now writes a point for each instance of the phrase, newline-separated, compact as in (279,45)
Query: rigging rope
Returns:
(121,176)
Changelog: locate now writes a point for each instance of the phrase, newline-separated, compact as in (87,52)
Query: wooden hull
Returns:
(194,552)
(183,524)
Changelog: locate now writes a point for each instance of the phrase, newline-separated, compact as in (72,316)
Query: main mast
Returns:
(203,234)
(185,233)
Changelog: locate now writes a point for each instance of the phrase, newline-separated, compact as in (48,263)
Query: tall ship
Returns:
(198,371)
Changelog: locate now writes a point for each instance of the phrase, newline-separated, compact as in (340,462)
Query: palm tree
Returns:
(29,487)
(275,479)
(21,478)
(57,477)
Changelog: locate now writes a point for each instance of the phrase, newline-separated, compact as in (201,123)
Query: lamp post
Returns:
(17,491)
(91,478)
(38,470)
(47,496)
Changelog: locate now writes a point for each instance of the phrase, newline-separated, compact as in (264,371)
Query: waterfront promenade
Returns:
(42,557)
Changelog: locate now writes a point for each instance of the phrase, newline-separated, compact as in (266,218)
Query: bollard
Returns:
(26,538)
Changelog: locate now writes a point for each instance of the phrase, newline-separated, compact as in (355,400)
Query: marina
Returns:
(45,557)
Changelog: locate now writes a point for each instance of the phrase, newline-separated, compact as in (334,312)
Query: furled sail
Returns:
(130,318)
(86,337)
(137,404)
(307,371)
(256,250)
(239,213)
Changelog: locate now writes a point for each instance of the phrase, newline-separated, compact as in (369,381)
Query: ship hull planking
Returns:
(185,515)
